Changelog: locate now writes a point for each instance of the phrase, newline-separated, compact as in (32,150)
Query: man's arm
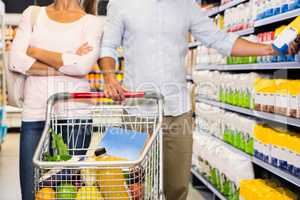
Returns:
(112,39)
(204,30)
(244,47)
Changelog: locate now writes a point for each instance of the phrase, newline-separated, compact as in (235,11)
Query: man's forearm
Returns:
(41,69)
(50,58)
(244,47)
(107,65)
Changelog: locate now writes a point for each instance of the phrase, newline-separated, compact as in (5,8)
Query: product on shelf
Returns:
(272,145)
(210,156)
(235,21)
(288,35)
(209,119)
(209,56)
(278,96)
(260,189)
(235,89)
(234,129)
(269,8)
(279,148)
(207,83)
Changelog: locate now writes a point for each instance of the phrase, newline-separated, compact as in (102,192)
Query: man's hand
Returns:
(294,46)
(84,49)
(113,89)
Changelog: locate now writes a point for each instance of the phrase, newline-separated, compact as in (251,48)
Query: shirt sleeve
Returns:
(75,65)
(205,31)
(113,31)
(19,61)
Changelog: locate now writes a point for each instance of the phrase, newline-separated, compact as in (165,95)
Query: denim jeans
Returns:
(77,137)
(31,133)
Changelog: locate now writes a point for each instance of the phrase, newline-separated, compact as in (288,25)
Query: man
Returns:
(153,35)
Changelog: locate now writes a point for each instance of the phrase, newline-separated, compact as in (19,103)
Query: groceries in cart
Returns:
(59,148)
(91,183)
(91,159)
(124,143)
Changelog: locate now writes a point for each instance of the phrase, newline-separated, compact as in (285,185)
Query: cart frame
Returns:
(157,132)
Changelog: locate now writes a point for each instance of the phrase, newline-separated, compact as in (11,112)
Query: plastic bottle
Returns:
(288,35)
(111,181)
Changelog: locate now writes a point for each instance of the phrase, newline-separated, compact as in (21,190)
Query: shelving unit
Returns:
(3,128)
(247,67)
(266,166)
(260,115)
(245,32)
(279,68)
(195,172)
(222,8)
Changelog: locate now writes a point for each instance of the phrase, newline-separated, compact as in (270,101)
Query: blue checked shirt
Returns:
(153,34)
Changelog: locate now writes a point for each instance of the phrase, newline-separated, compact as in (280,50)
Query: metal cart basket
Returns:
(85,171)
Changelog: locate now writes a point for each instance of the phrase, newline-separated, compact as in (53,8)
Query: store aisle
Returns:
(9,168)
(9,171)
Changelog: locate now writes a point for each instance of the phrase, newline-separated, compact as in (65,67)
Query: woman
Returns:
(55,53)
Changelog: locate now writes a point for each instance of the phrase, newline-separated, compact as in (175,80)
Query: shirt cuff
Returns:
(230,42)
(23,65)
(69,59)
(105,52)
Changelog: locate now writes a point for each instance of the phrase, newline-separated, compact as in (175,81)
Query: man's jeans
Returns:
(31,133)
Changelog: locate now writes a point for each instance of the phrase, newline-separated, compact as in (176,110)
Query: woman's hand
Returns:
(31,51)
(84,49)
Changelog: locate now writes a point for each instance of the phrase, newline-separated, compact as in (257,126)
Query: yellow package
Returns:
(112,181)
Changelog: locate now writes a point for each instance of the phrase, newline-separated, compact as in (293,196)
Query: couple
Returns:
(67,40)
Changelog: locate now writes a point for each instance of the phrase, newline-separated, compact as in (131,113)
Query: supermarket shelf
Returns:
(257,66)
(213,11)
(277,18)
(247,31)
(221,8)
(266,166)
(278,172)
(261,115)
(207,184)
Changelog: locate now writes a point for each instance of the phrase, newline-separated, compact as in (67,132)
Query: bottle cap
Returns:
(100,151)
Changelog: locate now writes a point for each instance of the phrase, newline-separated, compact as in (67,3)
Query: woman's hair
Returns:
(89,6)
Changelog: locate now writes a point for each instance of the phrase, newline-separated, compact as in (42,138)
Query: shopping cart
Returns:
(82,122)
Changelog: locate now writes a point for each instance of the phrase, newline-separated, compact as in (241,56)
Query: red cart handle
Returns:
(90,95)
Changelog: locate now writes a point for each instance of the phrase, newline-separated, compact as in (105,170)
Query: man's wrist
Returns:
(108,76)
(270,51)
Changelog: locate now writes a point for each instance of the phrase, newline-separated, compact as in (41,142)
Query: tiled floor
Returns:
(9,173)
